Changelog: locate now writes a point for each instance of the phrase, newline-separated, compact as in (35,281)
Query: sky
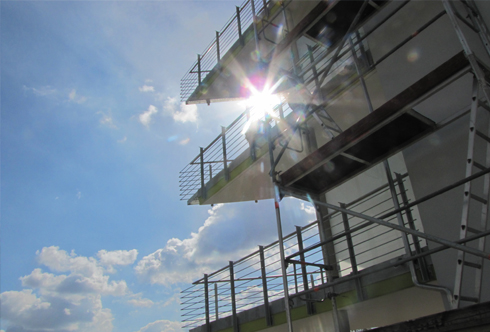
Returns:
(93,136)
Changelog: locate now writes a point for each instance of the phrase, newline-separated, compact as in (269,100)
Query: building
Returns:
(380,105)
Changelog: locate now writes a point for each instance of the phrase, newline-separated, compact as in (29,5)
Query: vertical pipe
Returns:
(216,306)
(206,302)
(279,230)
(302,258)
(268,316)
(233,299)
(203,186)
(239,24)
(217,45)
(299,235)
(199,68)
(352,254)
(283,262)
(225,161)
(254,23)
(295,278)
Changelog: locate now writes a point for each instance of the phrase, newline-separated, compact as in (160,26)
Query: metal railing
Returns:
(215,159)
(256,279)
(232,32)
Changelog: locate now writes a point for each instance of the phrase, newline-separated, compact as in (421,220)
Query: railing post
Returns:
(210,171)
(199,68)
(309,306)
(217,45)
(216,306)
(233,299)
(240,37)
(203,186)
(206,302)
(225,160)
(411,224)
(254,23)
(268,317)
(352,254)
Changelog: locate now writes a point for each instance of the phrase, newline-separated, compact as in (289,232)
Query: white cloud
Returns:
(138,301)
(73,97)
(117,257)
(147,88)
(309,209)
(79,194)
(145,117)
(180,112)
(25,311)
(162,326)
(227,233)
(69,297)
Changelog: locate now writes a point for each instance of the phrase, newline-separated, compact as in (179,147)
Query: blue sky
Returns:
(93,136)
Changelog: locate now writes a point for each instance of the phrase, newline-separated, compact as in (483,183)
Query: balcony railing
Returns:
(232,32)
(256,279)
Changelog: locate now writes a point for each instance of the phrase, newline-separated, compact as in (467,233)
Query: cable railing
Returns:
(232,32)
(256,279)
(215,159)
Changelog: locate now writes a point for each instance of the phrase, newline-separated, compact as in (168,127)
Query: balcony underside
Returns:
(387,130)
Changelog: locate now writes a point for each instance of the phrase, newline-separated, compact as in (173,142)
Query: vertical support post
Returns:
(199,68)
(266,11)
(295,278)
(267,309)
(203,185)
(206,302)
(282,255)
(352,254)
(217,46)
(210,171)
(233,299)
(254,23)
(421,261)
(216,304)
(239,24)
(225,161)
(309,306)
(328,251)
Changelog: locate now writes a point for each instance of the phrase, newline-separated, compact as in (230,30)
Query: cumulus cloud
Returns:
(145,117)
(228,233)
(67,298)
(162,325)
(147,88)
(117,257)
(180,112)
